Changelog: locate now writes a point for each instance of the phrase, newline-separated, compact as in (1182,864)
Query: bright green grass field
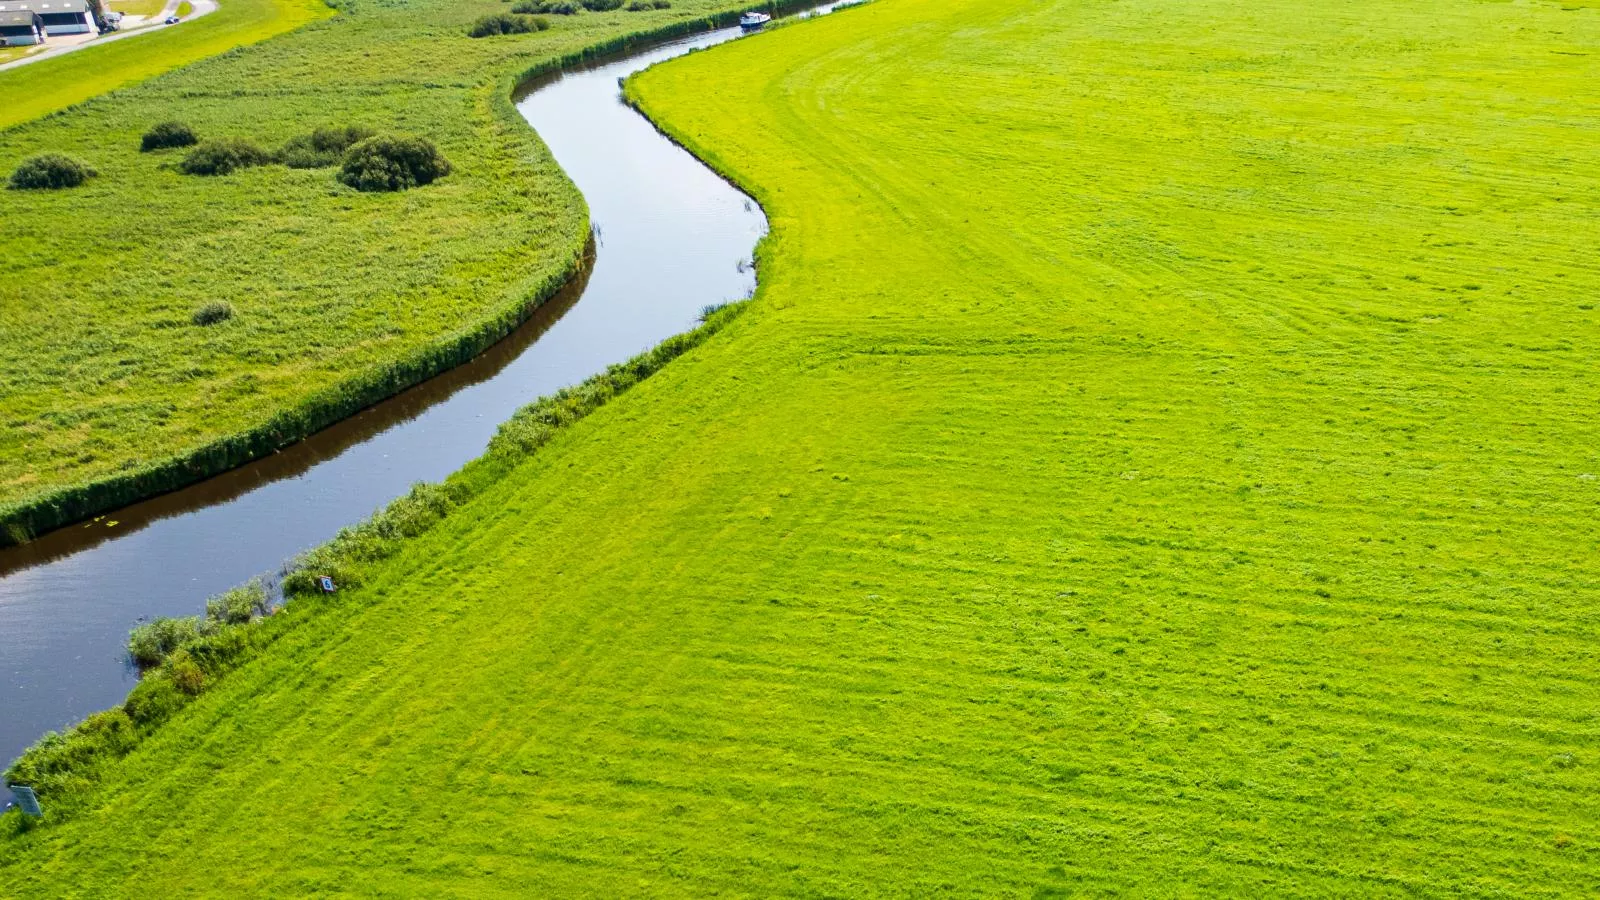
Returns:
(1160,461)
(52,84)
(102,372)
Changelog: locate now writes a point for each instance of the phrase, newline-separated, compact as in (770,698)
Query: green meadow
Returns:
(53,84)
(111,392)
(1160,460)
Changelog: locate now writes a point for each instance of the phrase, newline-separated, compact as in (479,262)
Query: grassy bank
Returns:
(1159,460)
(53,84)
(340,298)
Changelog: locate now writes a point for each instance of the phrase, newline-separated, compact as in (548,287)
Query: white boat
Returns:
(754,20)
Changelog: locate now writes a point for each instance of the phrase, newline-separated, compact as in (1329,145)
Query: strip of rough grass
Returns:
(137,7)
(53,84)
(340,298)
(1159,461)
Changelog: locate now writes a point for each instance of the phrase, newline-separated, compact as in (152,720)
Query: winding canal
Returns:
(670,237)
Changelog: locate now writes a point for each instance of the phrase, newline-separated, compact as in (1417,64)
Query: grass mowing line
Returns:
(1153,523)
(51,85)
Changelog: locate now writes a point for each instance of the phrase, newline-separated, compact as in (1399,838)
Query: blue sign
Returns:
(27,799)
(327,584)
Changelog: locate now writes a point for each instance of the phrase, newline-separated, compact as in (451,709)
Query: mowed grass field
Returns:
(1160,461)
(340,298)
(53,84)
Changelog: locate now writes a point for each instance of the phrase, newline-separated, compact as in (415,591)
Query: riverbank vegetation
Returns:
(1159,460)
(342,297)
(180,657)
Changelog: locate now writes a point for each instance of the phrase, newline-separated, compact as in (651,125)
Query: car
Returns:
(173,20)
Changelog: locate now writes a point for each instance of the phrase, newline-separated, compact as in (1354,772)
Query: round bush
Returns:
(223,156)
(392,162)
(322,147)
(49,171)
(506,23)
(601,5)
(212,313)
(168,134)
(642,5)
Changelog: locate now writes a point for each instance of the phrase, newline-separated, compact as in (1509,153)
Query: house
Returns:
(21,28)
(58,16)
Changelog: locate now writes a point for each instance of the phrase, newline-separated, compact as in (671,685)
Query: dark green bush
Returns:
(152,642)
(186,674)
(49,171)
(153,700)
(168,134)
(506,23)
(601,5)
(393,162)
(322,147)
(212,313)
(642,5)
(223,156)
(550,7)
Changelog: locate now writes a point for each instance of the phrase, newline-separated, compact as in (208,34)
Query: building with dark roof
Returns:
(21,28)
(57,16)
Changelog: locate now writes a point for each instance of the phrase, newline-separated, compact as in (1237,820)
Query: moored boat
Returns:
(754,20)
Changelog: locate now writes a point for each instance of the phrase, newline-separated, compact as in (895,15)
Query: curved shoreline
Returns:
(522,434)
(26,520)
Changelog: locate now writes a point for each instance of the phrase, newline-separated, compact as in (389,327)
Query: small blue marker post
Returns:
(28,800)
(327,584)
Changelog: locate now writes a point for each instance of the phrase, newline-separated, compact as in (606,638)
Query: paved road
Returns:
(201,8)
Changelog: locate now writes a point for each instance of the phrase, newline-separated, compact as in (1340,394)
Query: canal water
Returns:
(670,237)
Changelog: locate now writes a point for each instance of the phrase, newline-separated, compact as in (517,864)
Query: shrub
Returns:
(238,605)
(153,700)
(506,23)
(49,171)
(642,5)
(154,641)
(322,147)
(392,162)
(551,7)
(167,134)
(212,313)
(223,156)
(601,5)
(187,676)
